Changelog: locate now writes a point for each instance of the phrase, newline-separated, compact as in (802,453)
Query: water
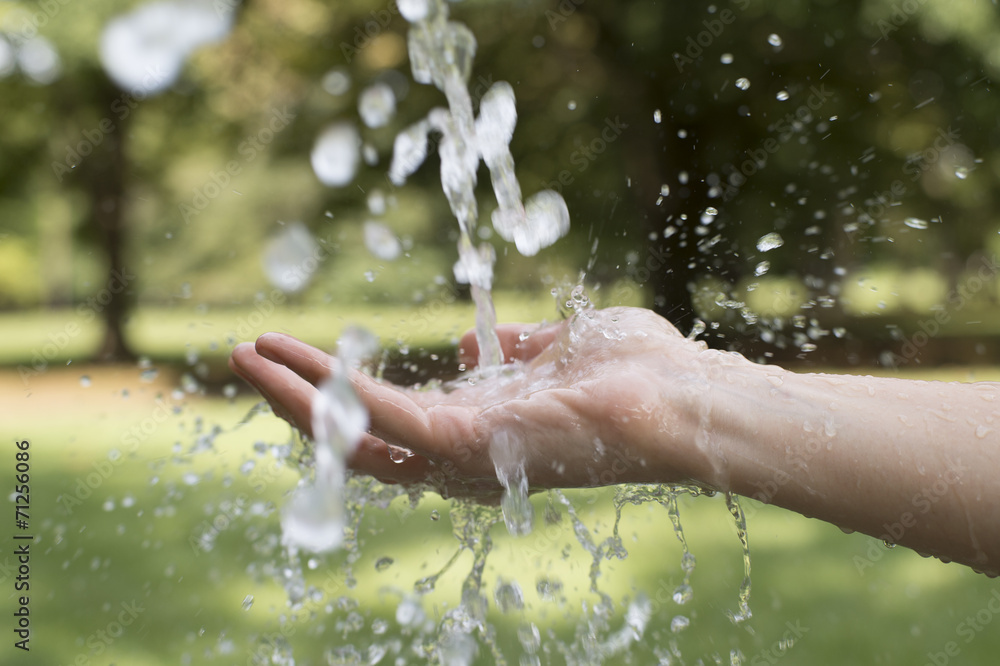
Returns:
(325,511)
(315,518)
(743,612)
(377,105)
(289,258)
(381,242)
(771,241)
(336,154)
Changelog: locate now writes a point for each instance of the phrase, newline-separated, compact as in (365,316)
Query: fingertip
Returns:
(240,354)
(271,340)
(468,349)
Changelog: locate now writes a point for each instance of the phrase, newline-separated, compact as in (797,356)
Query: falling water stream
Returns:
(325,511)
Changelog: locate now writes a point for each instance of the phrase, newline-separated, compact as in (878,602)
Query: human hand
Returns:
(610,396)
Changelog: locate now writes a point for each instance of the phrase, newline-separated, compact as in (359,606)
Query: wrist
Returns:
(734,406)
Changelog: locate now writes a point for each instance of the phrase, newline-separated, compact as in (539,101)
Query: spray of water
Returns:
(325,514)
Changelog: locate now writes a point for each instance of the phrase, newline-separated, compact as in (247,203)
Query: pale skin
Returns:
(619,395)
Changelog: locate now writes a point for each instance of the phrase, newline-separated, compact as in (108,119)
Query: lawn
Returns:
(155,516)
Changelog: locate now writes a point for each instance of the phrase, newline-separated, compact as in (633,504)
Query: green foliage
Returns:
(858,119)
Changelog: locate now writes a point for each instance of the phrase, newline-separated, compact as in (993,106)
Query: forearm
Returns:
(915,463)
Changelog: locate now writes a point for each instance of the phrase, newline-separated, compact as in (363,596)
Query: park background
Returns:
(142,231)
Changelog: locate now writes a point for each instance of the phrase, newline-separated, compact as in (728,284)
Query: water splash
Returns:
(145,50)
(315,518)
(377,105)
(289,258)
(441,53)
(507,453)
(336,154)
(733,504)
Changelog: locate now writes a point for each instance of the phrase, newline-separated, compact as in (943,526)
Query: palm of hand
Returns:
(584,403)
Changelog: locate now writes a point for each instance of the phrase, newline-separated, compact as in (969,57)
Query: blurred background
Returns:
(810,183)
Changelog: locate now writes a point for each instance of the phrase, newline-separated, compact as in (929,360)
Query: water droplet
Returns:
(888,544)
(726,58)
(961,173)
(414,10)
(290,258)
(146,49)
(383,563)
(85,381)
(679,623)
(548,588)
(409,613)
(571,105)
(381,242)
(682,594)
(247,602)
(782,95)
(336,154)
(664,190)
(774,40)
(696,330)
(762,268)
(657,116)
(398,454)
(408,152)
(915,223)
(982,431)
(435,515)
(336,82)
(545,220)
(769,242)
(508,596)
(743,83)
(109,505)
(377,105)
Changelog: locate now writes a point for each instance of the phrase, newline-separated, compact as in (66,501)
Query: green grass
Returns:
(130,540)
(169,333)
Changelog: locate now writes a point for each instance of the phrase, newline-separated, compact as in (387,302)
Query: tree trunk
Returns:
(114,298)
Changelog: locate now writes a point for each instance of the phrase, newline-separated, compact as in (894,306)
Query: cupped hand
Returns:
(609,396)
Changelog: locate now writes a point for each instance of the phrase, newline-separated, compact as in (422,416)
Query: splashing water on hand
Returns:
(315,518)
